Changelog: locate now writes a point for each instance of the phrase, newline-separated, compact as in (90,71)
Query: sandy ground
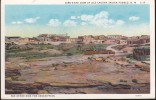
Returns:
(76,74)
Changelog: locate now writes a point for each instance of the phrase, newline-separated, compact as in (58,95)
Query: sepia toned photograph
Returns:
(77,49)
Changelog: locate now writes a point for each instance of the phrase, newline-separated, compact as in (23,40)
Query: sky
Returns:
(77,20)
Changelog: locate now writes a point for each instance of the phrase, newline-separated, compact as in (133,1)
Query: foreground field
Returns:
(76,74)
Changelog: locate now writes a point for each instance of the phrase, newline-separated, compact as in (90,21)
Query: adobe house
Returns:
(139,39)
(43,37)
(88,39)
(123,42)
(12,38)
(71,40)
(111,41)
(115,36)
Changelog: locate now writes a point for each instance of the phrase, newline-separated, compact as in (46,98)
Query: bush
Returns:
(54,65)
(89,58)
(14,78)
(65,65)
(121,80)
(134,81)
(69,54)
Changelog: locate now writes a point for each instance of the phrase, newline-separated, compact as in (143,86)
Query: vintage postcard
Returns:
(98,49)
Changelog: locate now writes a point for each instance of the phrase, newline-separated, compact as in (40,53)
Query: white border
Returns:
(80,96)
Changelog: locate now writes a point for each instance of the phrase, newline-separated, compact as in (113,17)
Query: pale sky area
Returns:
(77,20)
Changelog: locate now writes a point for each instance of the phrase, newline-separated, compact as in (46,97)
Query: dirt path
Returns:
(117,52)
(66,59)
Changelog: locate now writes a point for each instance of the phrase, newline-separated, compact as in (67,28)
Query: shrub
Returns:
(53,65)
(121,80)
(69,54)
(134,81)
(89,58)
(65,65)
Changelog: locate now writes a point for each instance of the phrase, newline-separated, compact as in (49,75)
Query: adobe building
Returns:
(124,42)
(88,39)
(115,36)
(43,38)
(138,40)
(71,40)
(111,41)
(12,38)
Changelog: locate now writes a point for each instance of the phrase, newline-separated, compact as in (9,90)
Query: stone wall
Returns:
(90,52)
(141,53)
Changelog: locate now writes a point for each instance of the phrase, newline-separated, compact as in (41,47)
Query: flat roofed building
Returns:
(71,40)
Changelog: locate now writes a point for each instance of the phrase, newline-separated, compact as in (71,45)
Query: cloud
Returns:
(70,23)
(86,17)
(100,19)
(134,18)
(120,22)
(13,22)
(103,22)
(83,23)
(31,20)
(16,22)
(54,22)
(102,14)
(73,17)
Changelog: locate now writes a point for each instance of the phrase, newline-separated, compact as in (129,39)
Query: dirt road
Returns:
(117,52)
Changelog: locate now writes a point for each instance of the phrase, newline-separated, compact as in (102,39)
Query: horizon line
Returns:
(75,36)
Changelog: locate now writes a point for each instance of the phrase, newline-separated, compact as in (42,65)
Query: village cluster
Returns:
(87,39)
